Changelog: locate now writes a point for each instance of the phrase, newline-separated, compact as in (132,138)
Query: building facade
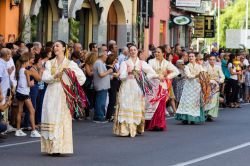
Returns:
(9,20)
(82,21)
(159,23)
(101,21)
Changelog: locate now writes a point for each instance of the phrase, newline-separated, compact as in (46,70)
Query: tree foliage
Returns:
(232,17)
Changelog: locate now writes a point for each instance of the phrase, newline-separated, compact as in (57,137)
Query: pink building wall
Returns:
(161,12)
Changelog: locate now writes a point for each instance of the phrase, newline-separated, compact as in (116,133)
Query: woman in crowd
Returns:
(23,96)
(169,58)
(178,82)
(42,86)
(233,81)
(156,103)
(216,78)
(88,86)
(114,86)
(129,117)
(226,72)
(56,126)
(190,106)
(36,75)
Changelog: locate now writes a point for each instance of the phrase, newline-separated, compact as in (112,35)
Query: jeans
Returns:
(38,115)
(112,101)
(3,127)
(100,103)
(33,96)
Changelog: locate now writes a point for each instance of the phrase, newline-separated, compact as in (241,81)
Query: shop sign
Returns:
(204,27)
(188,3)
(182,20)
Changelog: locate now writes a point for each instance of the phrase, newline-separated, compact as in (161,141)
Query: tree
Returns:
(232,17)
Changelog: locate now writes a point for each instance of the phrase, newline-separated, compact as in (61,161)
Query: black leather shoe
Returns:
(3,136)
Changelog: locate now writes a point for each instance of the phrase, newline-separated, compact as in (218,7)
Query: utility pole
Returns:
(246,24)
(146,31)
(218,29)
(141,25)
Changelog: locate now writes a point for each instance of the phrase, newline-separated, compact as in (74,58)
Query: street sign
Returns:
(188,3)
(204,27)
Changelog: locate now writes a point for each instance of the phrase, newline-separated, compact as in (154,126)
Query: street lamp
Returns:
(16,3)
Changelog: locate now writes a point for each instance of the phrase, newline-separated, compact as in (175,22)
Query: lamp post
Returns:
(16,3)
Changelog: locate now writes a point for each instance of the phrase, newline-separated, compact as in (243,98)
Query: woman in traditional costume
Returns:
(178,82)
(190,109)
(216,78)
(130,111)
(56,126)
(156,103)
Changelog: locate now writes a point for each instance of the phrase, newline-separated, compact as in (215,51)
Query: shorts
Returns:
(22,97)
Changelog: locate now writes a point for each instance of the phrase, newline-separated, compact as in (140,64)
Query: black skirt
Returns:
(22,97)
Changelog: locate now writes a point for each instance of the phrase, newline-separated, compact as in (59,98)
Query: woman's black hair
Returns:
(63,44)
(162,48)
(231,58)
(37,58)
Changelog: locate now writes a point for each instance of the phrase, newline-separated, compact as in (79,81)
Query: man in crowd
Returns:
(101,84)
(93,47)
(77,47)
(5,82)
(37,47)
(124,55)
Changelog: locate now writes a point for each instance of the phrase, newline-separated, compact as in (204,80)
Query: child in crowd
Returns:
(247,84)
(23,97)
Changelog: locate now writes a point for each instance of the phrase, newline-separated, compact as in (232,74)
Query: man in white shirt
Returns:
(5,81)
(124,55)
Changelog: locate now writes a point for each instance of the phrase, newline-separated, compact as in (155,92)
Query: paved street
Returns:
(197,145)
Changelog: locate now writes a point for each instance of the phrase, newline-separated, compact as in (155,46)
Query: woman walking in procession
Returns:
(129,117)
(56,129)
(216,78)
(190,107)
(156,103)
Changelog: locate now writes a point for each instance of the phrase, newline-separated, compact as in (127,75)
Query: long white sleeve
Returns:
(188,73)
(174,71)
(78,72)
(221,75)
(123,71)
(47,77)
(148,70)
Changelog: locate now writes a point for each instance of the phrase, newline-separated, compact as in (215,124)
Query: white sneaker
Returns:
(20,133)
(35,134)
(10,129)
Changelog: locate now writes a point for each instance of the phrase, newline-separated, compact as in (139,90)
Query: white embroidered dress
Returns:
(216,77)
(190,101)
(56,127)
(129,116)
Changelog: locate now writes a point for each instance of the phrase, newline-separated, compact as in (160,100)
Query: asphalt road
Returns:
(224,142)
